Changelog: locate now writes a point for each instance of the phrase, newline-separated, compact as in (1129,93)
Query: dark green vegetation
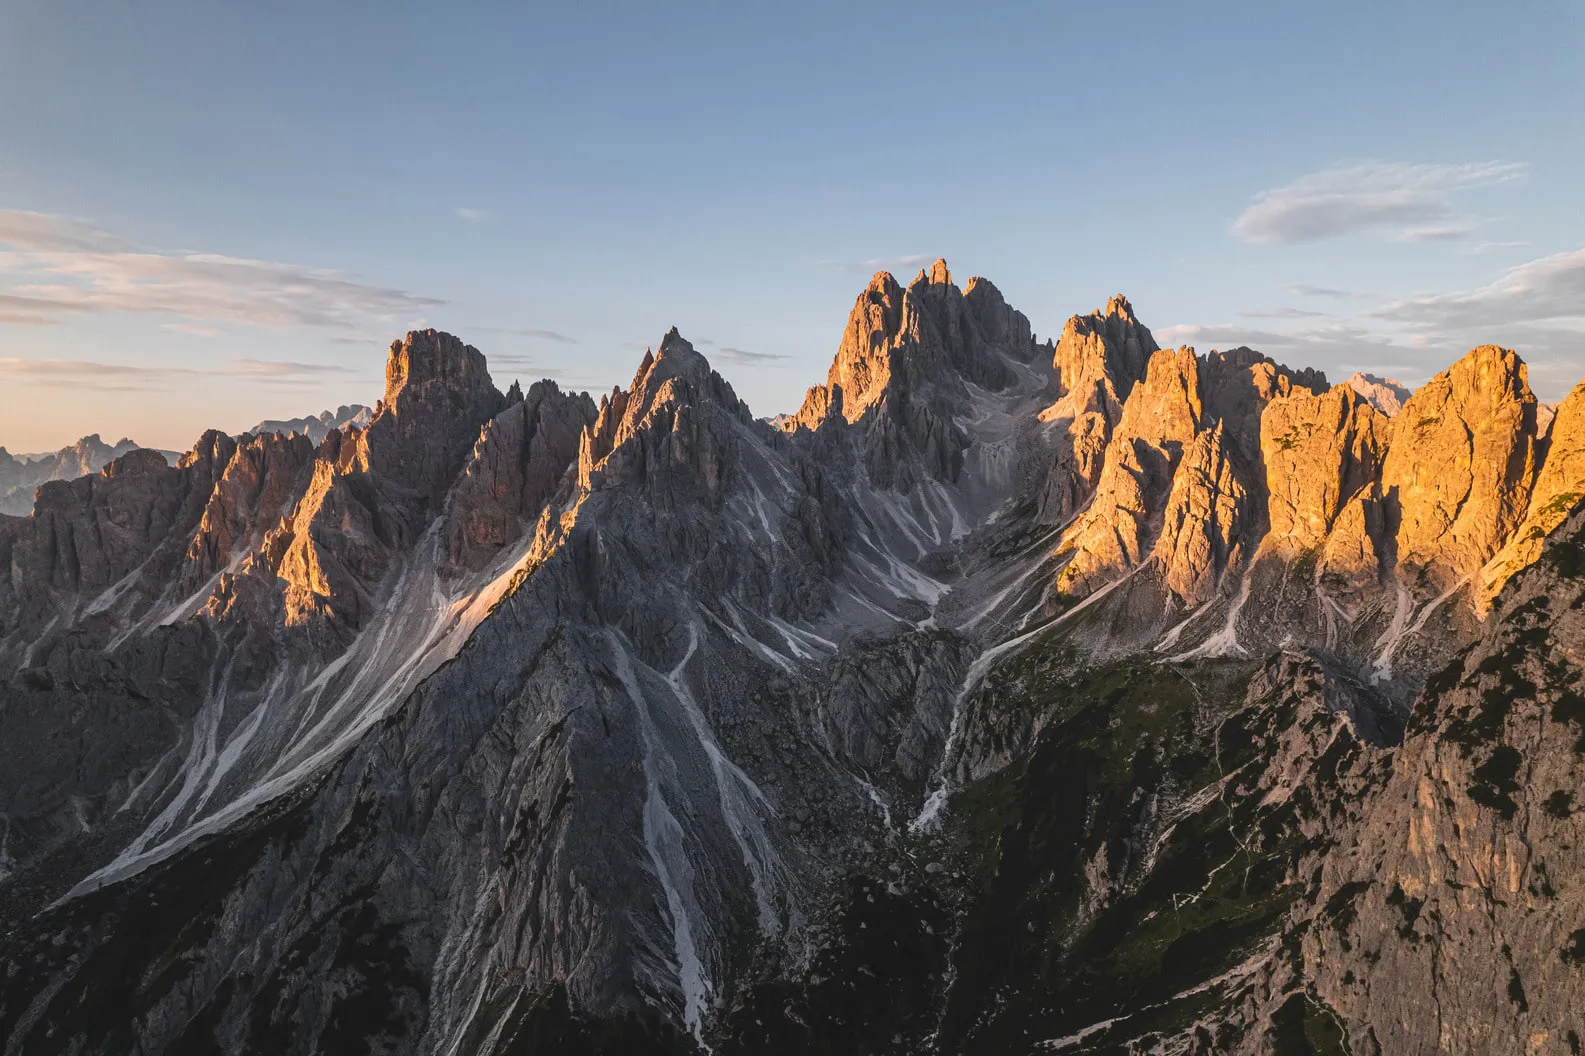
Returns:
(154,929)
(1304,1027)
(545,1024)
(1126,861)
(874,988)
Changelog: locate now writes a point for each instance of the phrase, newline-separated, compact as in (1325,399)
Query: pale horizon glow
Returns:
(211,217)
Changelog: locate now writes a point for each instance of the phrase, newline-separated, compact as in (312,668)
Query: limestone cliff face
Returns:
(1324,521)
(1158,423)
(373,492)
(1096,363)
(517,465)
(263,478)
(1321,452)
(111,533)
(862,366)
(438,394)
(1240,383)
(1213,518)
(1559,487)
(1207,520)
(1461,465)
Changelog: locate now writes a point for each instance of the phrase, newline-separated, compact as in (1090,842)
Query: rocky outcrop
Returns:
(101,539)
(1213,517)
(863,364)
(264,476)
(1239,384)
(374,492)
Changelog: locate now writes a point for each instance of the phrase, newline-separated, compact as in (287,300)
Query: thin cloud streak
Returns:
(58,265)
(1398,200)
(1283,313)
(123,377)
(1547,290)
(538,335)
(899,264)
(746,358)
(1304,289)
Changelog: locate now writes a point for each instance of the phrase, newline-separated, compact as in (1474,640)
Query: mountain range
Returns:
(1076,695)
(21,474)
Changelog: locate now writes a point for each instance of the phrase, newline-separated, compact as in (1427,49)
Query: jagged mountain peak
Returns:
(1098,360)
(677,356)
(1387,395)
(672,381)
(21,475)
(938,275)
(429,360)
(883,283)
(900,342)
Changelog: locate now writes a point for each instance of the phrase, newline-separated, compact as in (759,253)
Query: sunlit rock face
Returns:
(1462,463)
(1321,452)
(1009,693)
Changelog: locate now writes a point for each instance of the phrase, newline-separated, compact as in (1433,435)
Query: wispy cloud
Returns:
(746,358)
(901,264)
(472,216)
(49,232)
(1537,308)
(1321,346)
(1398,200)
(1304,289)
(512,360)
(193,330)
(78,373)
(1282,313)
(57,266)
(1549,290)
(1493,247)
(274,368)
(537,335)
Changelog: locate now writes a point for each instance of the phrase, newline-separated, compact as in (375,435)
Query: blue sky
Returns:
(216,213)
